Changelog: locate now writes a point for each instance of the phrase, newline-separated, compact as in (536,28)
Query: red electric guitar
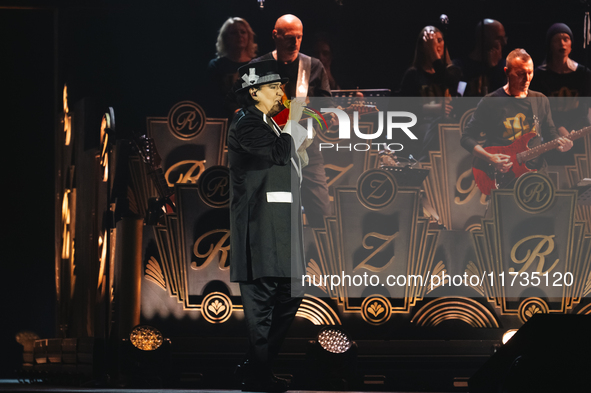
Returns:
(487,178)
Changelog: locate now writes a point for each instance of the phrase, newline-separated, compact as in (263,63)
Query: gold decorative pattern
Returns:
(314,271)
(192,171)
(552,248)
(67,119)
(577,172)
(376,310)
(585,310)
(186,119)
(106,124)
(419,245)
(441,272)
(534,193)
(317,311)
(103,246)
(216,307)
(214,186)
(450,187)
(531,306)
(68,235)
(376,189)
(455,308)
(154,273)
(339,171)
(474,227)
(472,270)
(218,249)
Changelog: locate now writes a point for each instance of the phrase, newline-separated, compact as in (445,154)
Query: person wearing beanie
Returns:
(564,81)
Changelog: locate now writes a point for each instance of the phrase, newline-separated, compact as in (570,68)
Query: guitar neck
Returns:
(543,148)
(160,183)
(147,150)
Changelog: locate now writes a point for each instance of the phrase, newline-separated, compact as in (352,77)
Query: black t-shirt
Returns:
(222,73)
(419,83)
(564,92)
(501,119)
(472,72)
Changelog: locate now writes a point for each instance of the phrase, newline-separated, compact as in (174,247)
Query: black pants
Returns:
(269,310)
(315,198)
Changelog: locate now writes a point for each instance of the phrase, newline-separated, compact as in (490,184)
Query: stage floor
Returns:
(15,386)
(25,388)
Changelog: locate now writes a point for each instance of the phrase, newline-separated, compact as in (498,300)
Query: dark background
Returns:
(141,57)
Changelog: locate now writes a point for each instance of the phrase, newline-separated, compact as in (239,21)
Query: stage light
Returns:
(146,338)
(331,360)
(145,358)
(334,340)
(508,334)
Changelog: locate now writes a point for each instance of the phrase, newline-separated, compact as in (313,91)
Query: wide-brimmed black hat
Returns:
(258,73)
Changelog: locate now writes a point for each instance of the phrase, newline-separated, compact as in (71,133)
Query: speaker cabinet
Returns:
(550,353)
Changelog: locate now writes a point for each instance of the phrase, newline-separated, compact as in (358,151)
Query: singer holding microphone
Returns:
(265,218)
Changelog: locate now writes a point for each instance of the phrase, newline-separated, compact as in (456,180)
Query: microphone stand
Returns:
(444,21)
(586,42)
(483,53)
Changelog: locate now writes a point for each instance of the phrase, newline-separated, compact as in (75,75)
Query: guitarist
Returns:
(504,115)
(307,78)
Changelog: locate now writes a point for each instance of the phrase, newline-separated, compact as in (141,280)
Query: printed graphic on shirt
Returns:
(434,90)
(517,126)
(565,99)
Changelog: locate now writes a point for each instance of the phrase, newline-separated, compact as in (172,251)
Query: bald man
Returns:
(483,68)
(307,78)
(287,34)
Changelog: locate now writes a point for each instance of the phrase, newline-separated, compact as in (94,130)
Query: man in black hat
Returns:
(265,217)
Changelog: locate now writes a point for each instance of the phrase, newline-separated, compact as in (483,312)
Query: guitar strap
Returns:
(302,85)
(539,162)
(303,75)
(535,111)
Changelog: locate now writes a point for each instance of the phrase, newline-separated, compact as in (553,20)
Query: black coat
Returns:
(265,175)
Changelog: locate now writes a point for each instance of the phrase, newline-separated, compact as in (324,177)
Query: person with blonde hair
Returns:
(236,41)
(235,47)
